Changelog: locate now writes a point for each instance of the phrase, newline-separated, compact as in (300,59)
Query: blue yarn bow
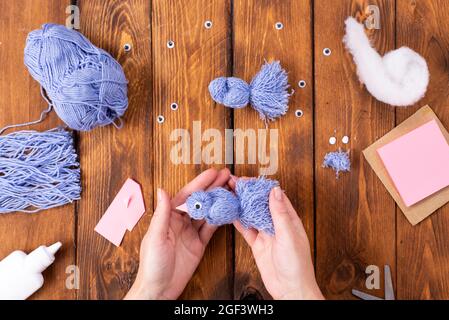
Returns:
(267,93)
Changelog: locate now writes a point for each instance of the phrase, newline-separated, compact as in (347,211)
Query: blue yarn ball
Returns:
(86,85)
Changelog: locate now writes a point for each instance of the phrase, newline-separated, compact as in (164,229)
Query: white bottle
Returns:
(21,274)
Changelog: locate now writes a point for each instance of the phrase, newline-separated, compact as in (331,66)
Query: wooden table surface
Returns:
(352,222)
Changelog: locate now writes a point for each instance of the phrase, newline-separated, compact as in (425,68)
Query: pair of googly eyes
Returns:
(198,205)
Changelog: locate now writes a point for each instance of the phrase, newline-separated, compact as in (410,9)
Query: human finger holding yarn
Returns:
(174,244)
(283,259)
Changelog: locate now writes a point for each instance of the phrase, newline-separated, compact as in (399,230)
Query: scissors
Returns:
(389,291)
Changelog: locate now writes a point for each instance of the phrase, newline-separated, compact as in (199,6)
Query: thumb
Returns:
(161,216)
(279,211)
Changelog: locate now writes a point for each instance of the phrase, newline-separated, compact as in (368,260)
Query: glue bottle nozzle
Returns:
(54,247)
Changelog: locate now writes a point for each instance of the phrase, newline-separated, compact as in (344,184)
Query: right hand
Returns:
(284,260)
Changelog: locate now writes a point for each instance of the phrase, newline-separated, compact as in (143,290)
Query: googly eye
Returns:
(160,119)
(174,106)
(127,47)
(170,44)
(279,25)
(198,205)
(208,24)
(327,52)
(302,84)
(299,113)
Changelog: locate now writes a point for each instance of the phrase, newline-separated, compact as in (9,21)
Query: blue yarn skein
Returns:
(86,85)
(249,204)
(38,170)
(267,92)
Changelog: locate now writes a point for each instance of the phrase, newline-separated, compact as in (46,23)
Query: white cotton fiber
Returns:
(400,78)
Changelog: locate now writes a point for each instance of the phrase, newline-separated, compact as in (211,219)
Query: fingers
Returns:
(161,217)
(201,182)
(250,235)
(206,232)
(221,179)
(197,224)
(232,182)
(279,211)
(207,180)
(293,214)
(210,178)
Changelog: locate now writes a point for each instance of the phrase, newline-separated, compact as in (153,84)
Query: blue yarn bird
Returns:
(267,93)
(249,205)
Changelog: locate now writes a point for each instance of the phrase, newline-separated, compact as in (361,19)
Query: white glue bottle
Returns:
(21,274)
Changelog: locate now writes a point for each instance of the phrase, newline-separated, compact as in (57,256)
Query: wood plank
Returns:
(257,39)
(422,265)
(21,102)
(355,216)
(109,156)
(182,75)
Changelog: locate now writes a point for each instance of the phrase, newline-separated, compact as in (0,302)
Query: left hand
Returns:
(174,244)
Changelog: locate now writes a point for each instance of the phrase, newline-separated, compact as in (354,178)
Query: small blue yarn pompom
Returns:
(339,161)
(268,92)
(86,85)
(249,204)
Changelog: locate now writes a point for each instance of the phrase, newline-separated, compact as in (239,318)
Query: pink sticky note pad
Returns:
(123,213)
(418,162)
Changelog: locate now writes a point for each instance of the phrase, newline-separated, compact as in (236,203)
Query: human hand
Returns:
(174,244)
(284,260)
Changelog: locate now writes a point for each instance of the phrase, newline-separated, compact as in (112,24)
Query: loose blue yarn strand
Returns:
(268,92)
(38,170)
(41,118)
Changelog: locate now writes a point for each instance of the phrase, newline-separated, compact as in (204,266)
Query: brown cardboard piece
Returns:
(418,212)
